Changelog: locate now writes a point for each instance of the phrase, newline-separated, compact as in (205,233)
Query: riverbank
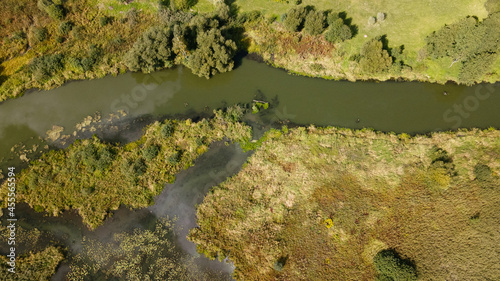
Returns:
(318,204)
(92,40)
(408,43)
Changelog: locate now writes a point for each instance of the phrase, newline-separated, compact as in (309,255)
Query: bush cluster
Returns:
(315,22)
(390,266)
(45,67)
(472,43)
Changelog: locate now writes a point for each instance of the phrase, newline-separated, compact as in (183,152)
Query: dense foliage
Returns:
(295,18)
(374,58)
(472,43)
(214,54)
(315,22)
(44,67)
(152,51)
(95,177)
(200,42)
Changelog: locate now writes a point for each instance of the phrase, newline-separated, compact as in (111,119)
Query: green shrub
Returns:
(39,34)
(64,28)
(372,20)
(482,172)
(104,20)
(315,22)
(167,130)
(55,11)
(77,33)
(151,51)
(214,54)
(474,68)
(150,152)
(174,158)
(295,18)
(337,31)
(390,266)
(373,58)
(46,66)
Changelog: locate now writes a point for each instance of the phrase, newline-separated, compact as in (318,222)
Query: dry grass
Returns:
(327,200)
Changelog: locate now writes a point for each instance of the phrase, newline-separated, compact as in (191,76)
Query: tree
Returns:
(390,266)
(338,31)
(295,18)
(151,51)
(315,22)
(213,54)
(374,58)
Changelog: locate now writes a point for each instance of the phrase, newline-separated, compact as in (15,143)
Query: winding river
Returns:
(409,107)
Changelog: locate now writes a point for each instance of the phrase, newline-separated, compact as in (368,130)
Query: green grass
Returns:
(327,200)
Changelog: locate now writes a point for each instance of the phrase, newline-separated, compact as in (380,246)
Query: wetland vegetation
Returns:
(329,203)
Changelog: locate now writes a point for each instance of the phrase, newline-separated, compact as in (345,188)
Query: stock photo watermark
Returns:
(460,111)
(140,93)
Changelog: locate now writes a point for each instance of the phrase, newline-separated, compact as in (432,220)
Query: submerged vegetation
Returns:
(94,177)
(337,204)
(140,255)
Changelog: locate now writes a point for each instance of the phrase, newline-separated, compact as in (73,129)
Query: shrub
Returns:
(390,266)
(374,58)
(315,22)
(214,54)
(151,51)
(295,18)
(104,20)
(337,31)
(183,4)
(39,34)
(64,28)
(46,66)
(167,130)
(249,16)
(372,20)
(77,33)
(150,152)
(174,158)
(18,35)
(55,11)
(482,172)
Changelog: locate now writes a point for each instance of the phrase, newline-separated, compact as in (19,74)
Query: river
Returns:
(409,107)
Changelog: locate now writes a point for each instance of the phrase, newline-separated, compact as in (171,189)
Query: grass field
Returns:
(318,204)
(407,23)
